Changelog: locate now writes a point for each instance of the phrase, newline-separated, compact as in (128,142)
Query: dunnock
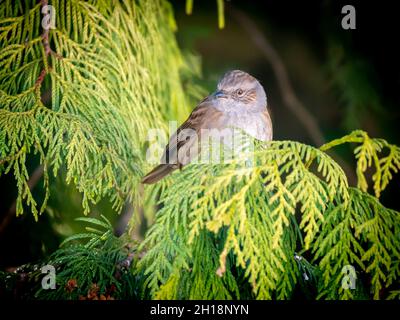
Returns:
(239,102)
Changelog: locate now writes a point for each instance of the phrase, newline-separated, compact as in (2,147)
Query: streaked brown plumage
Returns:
(239,102)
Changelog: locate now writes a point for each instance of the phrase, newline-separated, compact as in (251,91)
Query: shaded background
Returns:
(344,79)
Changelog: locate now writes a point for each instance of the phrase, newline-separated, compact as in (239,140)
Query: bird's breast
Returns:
(255,124)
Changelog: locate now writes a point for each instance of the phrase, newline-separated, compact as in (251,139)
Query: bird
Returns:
(239,102)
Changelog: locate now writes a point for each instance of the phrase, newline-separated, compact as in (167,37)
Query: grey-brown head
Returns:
(239,89)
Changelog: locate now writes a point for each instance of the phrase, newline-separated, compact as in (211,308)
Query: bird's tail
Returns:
(158,173)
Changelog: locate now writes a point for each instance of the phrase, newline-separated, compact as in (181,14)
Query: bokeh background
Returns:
(338,80)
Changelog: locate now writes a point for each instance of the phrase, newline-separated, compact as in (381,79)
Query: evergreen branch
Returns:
(89,103)
(250,210)
(100,263)
(34,179)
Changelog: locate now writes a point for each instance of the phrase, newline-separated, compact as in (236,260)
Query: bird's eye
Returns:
(239,92)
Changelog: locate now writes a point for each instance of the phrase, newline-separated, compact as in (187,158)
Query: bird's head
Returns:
(238,89)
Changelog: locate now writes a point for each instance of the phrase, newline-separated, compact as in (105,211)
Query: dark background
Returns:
(346,79)
(308,37)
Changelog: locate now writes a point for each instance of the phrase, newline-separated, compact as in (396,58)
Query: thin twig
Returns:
(41,77)
(45,34)
(38,173)
(12,156)
(32,182)
(47,49)
(288,94)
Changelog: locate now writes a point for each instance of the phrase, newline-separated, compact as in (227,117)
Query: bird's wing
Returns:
(204,114)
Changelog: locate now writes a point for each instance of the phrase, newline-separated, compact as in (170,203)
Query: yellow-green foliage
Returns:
(222,231)
(113,72)
(218,219)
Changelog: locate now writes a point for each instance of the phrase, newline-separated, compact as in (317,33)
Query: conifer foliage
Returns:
(99,269)
(83,95)
(222,223)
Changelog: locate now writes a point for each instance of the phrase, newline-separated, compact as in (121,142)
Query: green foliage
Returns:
(369,154)
(104,265)
(364,234)
(89,266)
(242,219)
(86,100)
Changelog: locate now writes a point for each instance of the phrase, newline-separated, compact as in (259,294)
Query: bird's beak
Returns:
(220,94)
